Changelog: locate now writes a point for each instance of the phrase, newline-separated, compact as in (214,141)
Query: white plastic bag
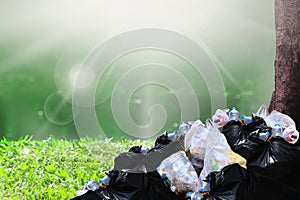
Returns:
(191,133)
(198,142)
(220,118)
(217,154)
(279,118)
(290,134)
(262,112)
(208,147)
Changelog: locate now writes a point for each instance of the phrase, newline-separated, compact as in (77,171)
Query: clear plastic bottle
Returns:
(205,187)
(194,195)
(234,114)
(92,185)
(145,150)
(183,128)
(264,136)
(277,131)
(246,119)
(172,136)
(105,180)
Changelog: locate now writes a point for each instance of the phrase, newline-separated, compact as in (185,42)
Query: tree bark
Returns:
(286,96)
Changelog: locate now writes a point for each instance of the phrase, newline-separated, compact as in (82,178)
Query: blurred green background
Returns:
(43,42)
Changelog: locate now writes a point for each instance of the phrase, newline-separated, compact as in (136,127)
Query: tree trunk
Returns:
(286,96)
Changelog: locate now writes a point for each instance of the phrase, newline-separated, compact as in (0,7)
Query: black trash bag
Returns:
(135,149)
(148,162)
(278,160)
(162,139)
(243,139)
(234,182)
(274,158)
(137,186)
(116,177)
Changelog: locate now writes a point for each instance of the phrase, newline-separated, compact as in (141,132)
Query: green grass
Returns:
(55,168)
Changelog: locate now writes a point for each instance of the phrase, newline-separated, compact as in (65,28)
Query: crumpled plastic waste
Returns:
(180,172)
(208,148)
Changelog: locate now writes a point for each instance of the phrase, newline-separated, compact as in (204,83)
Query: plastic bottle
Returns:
(264,136)
(291,135)
(92,185)
(205,187)
(172,136)
(105,180)
(173,188)
(183,128)
(234,114)
(277,131)
(145,150)
(194,195)
(246,119)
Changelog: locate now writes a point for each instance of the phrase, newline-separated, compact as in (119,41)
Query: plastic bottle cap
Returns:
(87,181)
(202,189)
(173,188)
(268,133)
(233,108)
(277,124)
(243,117)
(183,122)
(100,181)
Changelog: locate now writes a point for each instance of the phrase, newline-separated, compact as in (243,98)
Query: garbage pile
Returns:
(193,162)
(269,144)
